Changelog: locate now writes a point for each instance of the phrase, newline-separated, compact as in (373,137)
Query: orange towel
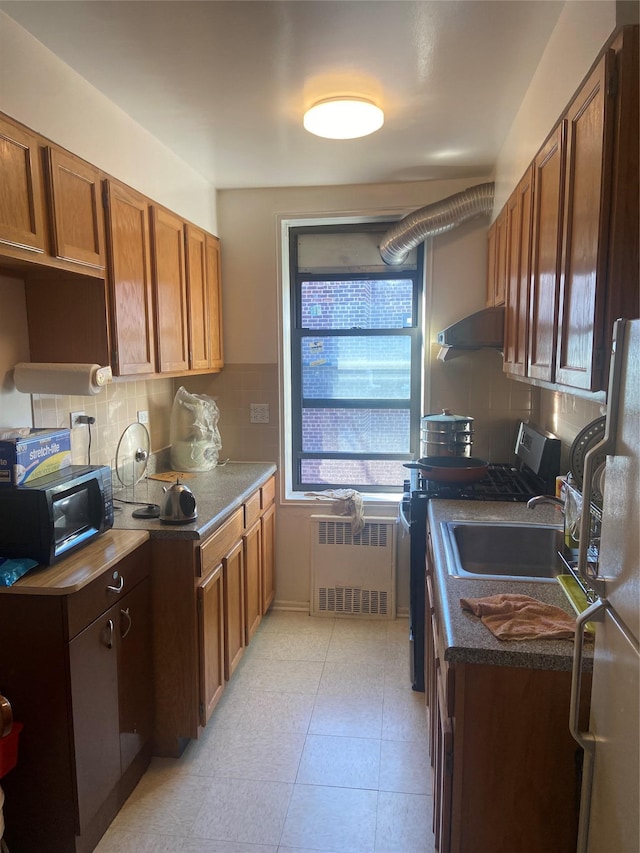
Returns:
(511,616)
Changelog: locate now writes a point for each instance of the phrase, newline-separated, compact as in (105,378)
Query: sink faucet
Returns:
(545,499)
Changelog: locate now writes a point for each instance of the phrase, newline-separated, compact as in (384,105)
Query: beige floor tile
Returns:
(164,803)
(352,647)
(277,676)
(355,678)
(273,756)
(336,819)
(266,711)
(405,767)
(277,645)
(208,845)
(123,841)
(403,824)
(403,715)
(347,716)
(288,622)
(342,762)
(360,627)
(243,810)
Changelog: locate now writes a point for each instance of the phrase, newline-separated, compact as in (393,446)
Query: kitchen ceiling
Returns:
(225,84)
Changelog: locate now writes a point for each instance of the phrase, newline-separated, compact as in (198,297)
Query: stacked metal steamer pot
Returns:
(446,435)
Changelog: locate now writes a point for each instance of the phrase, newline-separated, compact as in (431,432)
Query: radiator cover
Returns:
(353,575)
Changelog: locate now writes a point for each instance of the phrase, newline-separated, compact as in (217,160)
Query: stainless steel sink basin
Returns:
(503,551)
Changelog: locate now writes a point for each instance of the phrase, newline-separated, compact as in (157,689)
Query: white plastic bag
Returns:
(195,440)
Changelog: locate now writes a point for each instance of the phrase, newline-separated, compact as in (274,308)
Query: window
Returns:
(356,356)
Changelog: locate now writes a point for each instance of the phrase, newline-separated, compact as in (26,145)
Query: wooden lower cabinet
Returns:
(78,670)
(252,544)
(208,601)
(234,642)
(211,641)
(506,771)
(268,525)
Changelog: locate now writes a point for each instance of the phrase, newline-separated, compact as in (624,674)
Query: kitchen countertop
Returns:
(80,568)
(218,493)
(466,639)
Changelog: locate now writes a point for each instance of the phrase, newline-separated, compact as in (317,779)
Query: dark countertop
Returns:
(466,639)
(218,493)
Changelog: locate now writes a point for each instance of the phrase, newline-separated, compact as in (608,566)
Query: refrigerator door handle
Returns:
(594,613)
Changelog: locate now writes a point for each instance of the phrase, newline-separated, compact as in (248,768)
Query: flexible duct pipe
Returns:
(436,218)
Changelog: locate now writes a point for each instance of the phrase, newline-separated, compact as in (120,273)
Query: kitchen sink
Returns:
(503,550)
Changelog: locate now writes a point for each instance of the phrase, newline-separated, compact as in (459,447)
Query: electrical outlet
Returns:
(73,419)
(143,417)
(259,413)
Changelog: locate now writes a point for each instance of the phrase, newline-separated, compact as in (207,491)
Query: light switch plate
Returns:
(259,413)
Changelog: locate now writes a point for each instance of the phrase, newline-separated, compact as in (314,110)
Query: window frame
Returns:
(297,332)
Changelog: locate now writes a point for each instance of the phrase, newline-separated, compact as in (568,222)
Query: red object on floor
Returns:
(9,750)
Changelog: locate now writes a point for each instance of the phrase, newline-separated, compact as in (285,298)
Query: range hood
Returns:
(483,329)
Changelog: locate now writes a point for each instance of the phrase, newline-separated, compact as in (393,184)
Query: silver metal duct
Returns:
(436,218)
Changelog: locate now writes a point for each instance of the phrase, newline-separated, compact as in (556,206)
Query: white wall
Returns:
(581,31)
(41,91)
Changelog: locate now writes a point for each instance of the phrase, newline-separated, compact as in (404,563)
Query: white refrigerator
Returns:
(610,786)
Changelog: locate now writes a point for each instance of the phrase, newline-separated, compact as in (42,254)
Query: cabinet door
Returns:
(233,574)
(197,293)
(77,226)
(491,262)
(21,219)
(500,266)
(211,636)
(586,223)
(214,299)
(170,290)
(135,684)
(546,256)
(519,210)
(132,334)
(93,666)
(268,522)
(252,543)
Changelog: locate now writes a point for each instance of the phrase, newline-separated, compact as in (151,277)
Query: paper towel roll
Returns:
(49,378)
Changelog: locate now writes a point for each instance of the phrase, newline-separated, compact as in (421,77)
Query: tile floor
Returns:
(318,744)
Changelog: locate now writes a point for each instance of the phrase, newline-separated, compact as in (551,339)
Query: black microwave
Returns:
(50,517)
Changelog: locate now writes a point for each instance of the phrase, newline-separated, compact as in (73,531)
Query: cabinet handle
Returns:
(118,588)
(125,615)
(110,627)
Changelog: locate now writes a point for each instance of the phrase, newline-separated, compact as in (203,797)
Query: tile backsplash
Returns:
(234,389)
(114,409)
(474,385)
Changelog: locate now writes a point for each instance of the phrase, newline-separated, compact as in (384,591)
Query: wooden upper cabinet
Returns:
(500,287)
(519,224)
(214,294)
(548,175)
(491,262)
(204,298)
(21,216)
(132,330)
(77,225)
(170,290)
(197,294)
(590,123)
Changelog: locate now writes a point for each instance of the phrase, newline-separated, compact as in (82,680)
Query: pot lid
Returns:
(445,417)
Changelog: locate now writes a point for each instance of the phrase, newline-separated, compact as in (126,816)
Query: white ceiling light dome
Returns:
(343,118)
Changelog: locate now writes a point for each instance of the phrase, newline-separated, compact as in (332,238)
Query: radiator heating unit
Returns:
(353,575)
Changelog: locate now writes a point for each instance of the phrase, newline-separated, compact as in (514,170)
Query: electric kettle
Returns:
(178,504)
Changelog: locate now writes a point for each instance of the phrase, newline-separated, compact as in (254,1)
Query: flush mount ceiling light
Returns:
(343,118)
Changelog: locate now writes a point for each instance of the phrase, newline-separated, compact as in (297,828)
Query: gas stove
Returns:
(533,472)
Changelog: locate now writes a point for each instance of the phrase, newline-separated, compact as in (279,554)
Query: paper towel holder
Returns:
(61,378)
